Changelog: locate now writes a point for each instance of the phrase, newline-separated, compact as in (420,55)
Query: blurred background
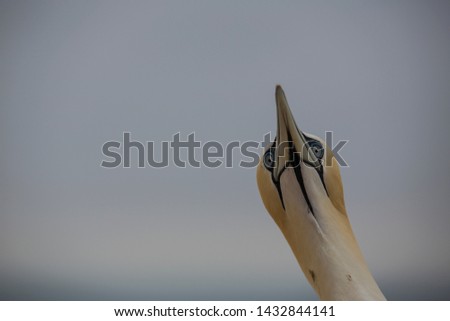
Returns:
(74,75)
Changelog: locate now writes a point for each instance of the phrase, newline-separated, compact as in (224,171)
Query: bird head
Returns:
(298,173)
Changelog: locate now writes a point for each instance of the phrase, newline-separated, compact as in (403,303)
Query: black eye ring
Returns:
(269,158)
(316,148)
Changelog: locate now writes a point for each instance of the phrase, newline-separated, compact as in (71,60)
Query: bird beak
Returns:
(290,139)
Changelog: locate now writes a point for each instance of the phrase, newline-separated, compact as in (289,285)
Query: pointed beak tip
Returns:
(278,89)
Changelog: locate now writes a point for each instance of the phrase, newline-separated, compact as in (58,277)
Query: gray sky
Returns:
(74,75)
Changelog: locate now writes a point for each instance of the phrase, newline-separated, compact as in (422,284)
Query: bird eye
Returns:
(316,148)
(269,158)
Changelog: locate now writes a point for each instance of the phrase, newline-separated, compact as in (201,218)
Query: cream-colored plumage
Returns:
(300,185)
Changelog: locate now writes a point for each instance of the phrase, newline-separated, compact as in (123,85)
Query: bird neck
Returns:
(344,276)
(333,263)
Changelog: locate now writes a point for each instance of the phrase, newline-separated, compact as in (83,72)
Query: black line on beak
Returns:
(280,193)
(277,183)
(298,175)
(320,169)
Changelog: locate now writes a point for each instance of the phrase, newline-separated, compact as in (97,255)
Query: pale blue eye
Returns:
(269,158)
(316,148)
